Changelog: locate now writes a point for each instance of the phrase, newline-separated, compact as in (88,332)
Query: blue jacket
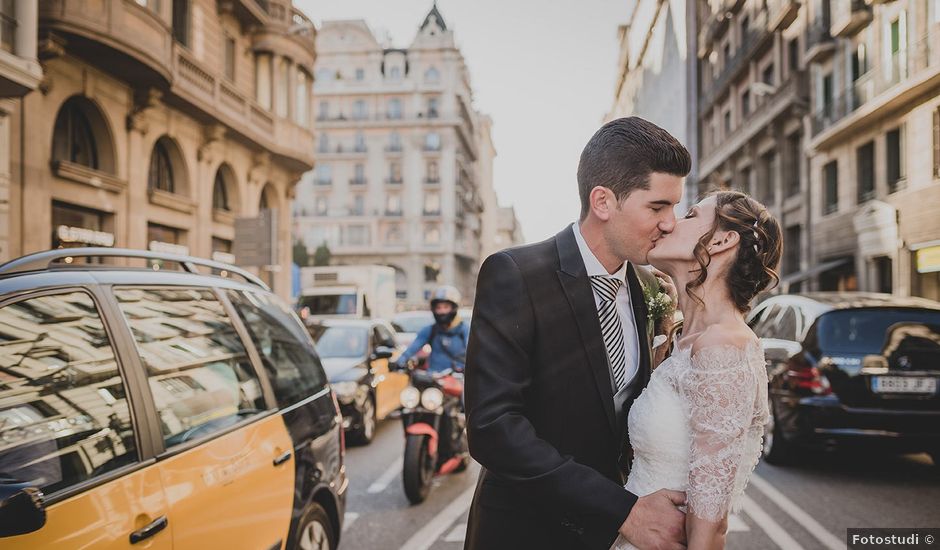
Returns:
(453,340)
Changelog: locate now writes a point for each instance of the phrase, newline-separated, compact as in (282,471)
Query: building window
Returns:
(323,144)
(432,75)
(393,234)
(359,110)
(433,175)
(160,176)
(301,98)
(746,103)
(883,274)
(791,247)
(768,75)
(394,142)
(360,143)
(432,203)
(727,117)
(360,74)
(897,63)
(831,177)
(229,58)
(794,155)
(766,178)
(860,63)
(73,139)
(793,55)
(220,193)
(394,172)
(828,100)
(394,108)
(432,142)
(323,174)
(181,21)
(324,111)
(357,235)
(263,80)
(393,204)
(321,205)
(358,207)
(865,161)
(395,73)
(433,107)
(744,183)
(432,235)
(359,174)
(894,163)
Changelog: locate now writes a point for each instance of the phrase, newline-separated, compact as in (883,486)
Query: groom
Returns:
(558,353)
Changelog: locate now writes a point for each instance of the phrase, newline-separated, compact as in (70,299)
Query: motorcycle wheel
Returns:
(418,469)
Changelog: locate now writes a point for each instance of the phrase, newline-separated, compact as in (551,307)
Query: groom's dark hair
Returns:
(623,153)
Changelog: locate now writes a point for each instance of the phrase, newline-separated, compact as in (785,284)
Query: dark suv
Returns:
(851,369)
(170,400)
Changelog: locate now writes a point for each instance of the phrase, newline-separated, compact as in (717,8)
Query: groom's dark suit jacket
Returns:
(540,404)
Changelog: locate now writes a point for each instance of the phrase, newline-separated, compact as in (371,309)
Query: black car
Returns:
(356,354)
(162,400)
(850,369)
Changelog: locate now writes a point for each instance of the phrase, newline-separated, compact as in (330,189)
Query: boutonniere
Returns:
(659,307)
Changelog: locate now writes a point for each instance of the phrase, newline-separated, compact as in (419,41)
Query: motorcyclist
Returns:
(448,335)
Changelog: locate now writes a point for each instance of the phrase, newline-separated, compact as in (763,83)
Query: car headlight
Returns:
(346,390)
(432,399)
(410,397)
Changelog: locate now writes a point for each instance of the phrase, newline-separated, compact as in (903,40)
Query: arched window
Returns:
(161,169)
(73,139)
(220,193)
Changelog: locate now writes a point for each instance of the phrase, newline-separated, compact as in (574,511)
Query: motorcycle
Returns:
(435,429)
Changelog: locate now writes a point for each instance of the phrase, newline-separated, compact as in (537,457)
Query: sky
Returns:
(544,70)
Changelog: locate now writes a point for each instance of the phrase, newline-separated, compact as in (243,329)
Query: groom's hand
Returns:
(655,522)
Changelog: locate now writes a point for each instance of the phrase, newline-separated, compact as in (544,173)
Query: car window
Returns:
(340,341)
(288,353)
(197,367)
(64,415)
(383,336)
(786,324)
(765,326)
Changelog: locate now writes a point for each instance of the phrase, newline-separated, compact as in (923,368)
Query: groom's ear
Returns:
(600,200)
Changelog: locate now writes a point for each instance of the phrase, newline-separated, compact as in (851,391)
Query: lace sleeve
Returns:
(721,388)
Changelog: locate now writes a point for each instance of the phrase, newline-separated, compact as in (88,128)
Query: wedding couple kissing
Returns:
(583,445)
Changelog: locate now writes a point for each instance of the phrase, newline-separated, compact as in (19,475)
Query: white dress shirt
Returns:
(624,309)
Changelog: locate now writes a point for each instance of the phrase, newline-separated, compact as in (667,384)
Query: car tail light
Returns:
(809,378)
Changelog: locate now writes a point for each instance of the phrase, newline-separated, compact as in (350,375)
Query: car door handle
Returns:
(282,458)
(150,530)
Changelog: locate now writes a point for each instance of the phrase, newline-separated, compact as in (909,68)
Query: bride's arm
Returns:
(721,389)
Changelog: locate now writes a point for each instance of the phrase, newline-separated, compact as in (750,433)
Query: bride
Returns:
(697,426)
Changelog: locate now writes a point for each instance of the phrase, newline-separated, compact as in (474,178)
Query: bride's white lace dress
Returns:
(698,428)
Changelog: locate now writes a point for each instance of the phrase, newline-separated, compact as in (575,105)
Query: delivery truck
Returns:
(347,291)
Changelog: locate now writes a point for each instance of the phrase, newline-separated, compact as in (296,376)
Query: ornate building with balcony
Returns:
(875,145)
(404,166)
(753,98)
(657,45)
(158,123)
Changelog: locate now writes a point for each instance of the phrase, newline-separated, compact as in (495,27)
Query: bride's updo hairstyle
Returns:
(759,249)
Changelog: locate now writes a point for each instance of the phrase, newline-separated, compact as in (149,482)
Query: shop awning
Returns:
(811,272)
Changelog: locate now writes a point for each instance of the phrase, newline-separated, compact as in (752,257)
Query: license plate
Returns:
(903,384)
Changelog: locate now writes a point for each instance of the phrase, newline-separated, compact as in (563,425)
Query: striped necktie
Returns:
(606,288)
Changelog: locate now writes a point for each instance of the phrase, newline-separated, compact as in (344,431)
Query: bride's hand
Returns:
(665,282)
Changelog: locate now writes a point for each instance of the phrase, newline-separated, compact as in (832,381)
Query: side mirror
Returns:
(21,508)
(382,352)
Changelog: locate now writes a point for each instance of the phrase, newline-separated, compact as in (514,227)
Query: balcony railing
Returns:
(394,180)
(323,182)
(738,62)
(432,179)
(782,13)
(358,181)
(849,16)
(819,42)
(922,57)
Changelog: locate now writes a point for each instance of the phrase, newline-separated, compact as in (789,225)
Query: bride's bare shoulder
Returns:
(732,334)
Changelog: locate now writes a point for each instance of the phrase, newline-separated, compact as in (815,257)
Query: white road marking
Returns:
(773,529)
(428,535)
(735,523)
(389,476)
(827,539)
(349,519)
(459,534)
